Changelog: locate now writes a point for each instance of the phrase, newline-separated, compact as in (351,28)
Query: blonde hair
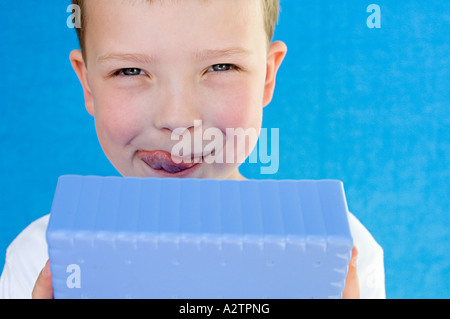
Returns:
(271,10)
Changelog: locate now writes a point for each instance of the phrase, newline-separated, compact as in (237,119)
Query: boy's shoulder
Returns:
(25,258)
(363,239)
(32,238)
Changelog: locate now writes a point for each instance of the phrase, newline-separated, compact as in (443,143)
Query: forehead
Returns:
(174,25)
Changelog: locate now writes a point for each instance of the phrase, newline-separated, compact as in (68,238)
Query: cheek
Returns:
(238,114)
(240,106)
(116,120)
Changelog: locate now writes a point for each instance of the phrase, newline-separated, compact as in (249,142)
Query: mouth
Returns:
(162,162)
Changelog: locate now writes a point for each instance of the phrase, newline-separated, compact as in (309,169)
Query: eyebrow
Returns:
(127,57)
(149,59)
(211,54)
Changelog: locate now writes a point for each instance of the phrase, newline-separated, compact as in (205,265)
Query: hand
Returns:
(351,289)
(43,288)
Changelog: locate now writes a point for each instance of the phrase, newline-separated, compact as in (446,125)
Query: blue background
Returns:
(367,106)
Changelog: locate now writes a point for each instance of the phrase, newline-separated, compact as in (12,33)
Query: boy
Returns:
(151,70)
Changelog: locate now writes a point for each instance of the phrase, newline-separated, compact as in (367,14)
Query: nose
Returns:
(178,109)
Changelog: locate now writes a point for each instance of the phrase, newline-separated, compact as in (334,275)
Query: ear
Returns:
(277,52)
(79,66)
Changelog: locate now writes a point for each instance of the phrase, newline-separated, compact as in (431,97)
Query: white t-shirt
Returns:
(27,255)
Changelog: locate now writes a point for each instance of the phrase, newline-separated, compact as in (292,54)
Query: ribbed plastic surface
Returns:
(112,237)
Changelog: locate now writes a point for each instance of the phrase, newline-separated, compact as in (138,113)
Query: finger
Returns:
(43,289)
(351,290)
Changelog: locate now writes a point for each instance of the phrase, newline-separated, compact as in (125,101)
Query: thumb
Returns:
(43,288)
(351,290)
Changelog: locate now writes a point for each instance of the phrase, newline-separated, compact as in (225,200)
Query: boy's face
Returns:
(152,69)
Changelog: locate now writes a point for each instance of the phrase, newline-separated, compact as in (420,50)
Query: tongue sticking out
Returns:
(161,160)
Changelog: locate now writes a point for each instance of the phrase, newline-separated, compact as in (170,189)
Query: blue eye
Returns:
(131,72)
(222,67)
